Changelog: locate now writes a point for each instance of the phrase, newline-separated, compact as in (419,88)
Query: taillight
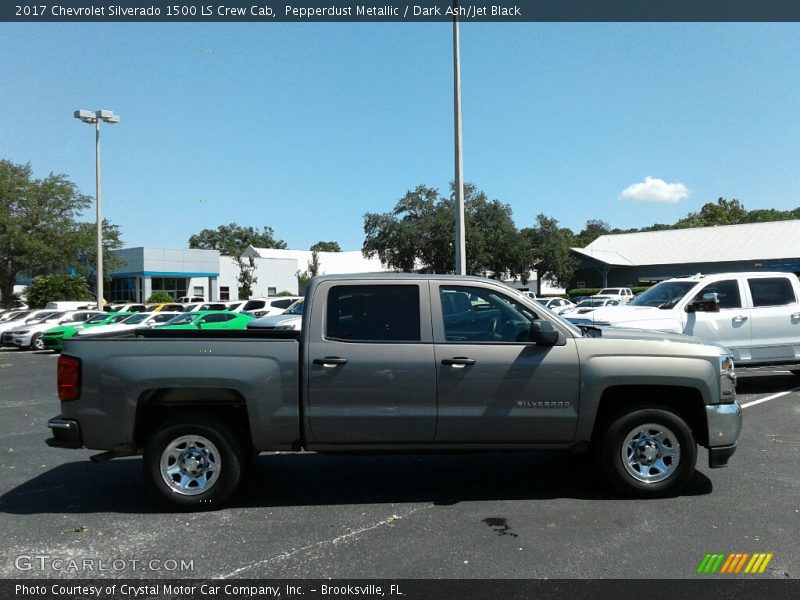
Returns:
(69,378)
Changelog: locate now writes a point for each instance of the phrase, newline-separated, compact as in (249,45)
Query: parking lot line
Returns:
(768,398)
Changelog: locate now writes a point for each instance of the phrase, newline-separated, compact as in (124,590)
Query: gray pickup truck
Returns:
(394,362)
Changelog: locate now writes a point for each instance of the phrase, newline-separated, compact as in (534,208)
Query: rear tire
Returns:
(194,463)
(648,453)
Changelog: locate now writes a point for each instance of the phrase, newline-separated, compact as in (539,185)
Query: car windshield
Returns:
(133,319)
(664,295)
(96,319)
(295,309)
(182,319)
(42,317)
(589,302)
(118,318)
(254,305)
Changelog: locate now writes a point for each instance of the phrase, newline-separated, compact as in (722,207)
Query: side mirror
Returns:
(543,333)
(708,303)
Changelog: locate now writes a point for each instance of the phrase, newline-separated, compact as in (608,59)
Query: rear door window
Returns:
(373,313)
(771,291)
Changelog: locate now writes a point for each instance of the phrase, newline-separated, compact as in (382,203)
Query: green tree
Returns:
(326,247)
(550,253)
(419,234)
(593,230)
(51,288)
(38,229)
(159,297)
(724,212)
(232,240)
(86,241)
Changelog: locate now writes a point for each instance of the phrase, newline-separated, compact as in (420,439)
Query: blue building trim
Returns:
(161,274)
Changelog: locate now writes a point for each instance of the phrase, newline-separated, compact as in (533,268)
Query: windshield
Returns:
(254,304)
(133,319)
(96,319)
(295,309)
(182,319)
(663,295)
(43,316)
(589,302)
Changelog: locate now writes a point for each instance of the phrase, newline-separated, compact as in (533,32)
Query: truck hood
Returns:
(629,333)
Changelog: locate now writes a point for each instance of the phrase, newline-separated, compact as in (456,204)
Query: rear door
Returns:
(775,315)
(369,364)
(495,386)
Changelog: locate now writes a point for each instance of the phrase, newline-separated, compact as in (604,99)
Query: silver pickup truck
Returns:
(393,362)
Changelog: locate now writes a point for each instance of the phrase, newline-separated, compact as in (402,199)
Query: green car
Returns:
(54,338)
(208,319)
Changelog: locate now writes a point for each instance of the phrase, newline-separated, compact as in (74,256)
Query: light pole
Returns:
(461,249)
(106,116)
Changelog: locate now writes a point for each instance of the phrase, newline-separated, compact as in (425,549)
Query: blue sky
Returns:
(305,127)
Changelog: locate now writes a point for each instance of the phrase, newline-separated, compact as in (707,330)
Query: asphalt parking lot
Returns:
(452,516)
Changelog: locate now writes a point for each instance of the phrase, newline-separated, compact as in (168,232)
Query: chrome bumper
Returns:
(724,427)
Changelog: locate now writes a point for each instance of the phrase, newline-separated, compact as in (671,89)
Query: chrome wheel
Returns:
(190,465)
(37,343)
(651,453)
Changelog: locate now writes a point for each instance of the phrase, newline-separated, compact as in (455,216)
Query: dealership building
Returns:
(206,273)
(644,258)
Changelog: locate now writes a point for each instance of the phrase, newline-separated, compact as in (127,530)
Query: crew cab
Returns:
(755,315)
(398,363)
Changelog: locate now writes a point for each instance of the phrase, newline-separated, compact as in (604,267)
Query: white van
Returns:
(70,305)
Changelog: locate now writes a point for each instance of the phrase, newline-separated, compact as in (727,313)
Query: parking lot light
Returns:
(107,116)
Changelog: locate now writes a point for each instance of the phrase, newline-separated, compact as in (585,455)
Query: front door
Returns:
(495,386)
(730,327)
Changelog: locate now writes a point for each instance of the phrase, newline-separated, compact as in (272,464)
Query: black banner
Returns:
(272,11)
(373,589)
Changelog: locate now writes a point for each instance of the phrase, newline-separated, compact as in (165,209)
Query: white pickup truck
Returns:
(755,315)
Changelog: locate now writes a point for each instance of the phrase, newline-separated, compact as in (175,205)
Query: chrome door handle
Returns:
(739,318)
(459,362)
(330,361)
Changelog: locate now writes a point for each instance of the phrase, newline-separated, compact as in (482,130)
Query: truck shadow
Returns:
(305,479)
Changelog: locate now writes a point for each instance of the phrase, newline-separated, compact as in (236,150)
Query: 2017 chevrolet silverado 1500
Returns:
(399,363)
(755,315)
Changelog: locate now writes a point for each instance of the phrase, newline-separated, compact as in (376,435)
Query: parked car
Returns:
(22,318)
(290,319)
(266,307)
(171,307)
(588,305)
(208,319)
(755,315)
(29,335)
(13,314)
(132,307)
(384,362)
(624,295)
(134,321)
(190,299)
(53,339)
(235,305)
(557,305)
(70,304)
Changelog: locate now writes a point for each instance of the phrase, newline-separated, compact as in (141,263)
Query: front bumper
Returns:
(724,427)
(66,433)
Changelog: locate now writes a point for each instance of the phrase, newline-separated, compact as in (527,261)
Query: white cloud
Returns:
(655,190)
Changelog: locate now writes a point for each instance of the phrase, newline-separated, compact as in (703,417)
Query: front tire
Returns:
(194,463)
(37,343)
(649,453)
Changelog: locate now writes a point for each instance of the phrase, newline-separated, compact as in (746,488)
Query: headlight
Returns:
(23,332)
(727,379)
(726,364)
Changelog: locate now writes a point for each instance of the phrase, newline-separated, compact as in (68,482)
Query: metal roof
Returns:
(722,243)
